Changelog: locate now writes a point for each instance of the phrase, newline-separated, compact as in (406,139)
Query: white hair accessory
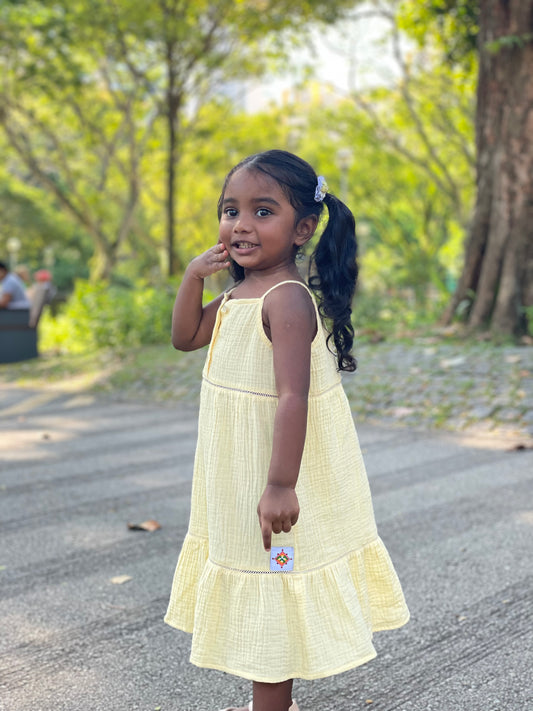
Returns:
(321,189)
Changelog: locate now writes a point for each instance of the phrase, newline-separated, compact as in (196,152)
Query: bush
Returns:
(99,316)
(380,314)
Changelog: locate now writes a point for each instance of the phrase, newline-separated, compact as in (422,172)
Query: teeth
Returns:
(245,245)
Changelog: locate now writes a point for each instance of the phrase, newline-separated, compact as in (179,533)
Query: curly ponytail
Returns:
(335,255)
(335,261)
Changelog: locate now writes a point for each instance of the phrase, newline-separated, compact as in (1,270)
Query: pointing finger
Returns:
(267,537)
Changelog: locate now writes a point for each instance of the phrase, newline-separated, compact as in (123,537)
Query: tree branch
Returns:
(453,191)
(22,145)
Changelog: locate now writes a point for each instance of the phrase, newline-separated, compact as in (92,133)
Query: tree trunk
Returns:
(173,107)
(498,268)
(101,264)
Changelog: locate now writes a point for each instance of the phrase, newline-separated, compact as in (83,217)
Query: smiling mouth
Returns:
(243,245)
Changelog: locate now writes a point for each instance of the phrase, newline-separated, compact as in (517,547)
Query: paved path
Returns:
(456,515)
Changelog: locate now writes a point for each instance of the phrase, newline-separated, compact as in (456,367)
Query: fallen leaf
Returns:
(452,362)
(402,411)
(119,579)
(461,618)
(150,525)
(369,701)
(513,359)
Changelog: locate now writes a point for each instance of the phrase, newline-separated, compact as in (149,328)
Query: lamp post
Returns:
(13,247)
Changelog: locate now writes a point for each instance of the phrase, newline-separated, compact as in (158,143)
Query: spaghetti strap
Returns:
(301,283)
(287,281)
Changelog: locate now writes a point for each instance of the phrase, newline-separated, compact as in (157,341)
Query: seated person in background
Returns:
(12,291)
(22,271)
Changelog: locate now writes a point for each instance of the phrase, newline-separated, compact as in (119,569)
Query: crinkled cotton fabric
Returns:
(316,619)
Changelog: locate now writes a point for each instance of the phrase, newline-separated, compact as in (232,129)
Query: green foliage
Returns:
(45,233)
(509,42)
(89,92)
(380,314)
(85,116)
(98,316)
(410,188)
(450,25)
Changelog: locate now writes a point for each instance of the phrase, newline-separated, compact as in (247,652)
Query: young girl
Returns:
(282,574)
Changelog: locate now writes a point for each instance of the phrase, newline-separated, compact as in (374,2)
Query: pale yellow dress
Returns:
(318,618)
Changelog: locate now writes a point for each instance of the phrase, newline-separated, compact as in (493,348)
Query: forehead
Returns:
(247,182)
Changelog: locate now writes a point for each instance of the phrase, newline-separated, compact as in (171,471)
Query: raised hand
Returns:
(278,511)
(211,261)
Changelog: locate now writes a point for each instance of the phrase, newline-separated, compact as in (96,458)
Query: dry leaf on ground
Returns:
(119,579)
(150,525)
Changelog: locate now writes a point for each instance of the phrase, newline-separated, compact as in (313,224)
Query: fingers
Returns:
(215,259)
(220,254)
(268,528)
(266,531)
(211,261)
(278,512)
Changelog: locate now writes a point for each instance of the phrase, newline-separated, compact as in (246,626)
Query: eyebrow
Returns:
(269,200)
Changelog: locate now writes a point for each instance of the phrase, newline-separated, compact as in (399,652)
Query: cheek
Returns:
(224,233)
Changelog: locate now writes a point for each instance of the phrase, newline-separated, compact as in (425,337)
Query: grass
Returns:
(157,372)
(424,382)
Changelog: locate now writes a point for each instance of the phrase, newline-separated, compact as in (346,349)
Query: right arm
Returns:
(192,323)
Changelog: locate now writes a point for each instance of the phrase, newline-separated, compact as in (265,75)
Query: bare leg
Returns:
(272,697)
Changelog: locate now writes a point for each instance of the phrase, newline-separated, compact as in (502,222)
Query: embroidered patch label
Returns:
(281,559)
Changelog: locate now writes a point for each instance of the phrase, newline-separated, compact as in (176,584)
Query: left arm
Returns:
(292,322)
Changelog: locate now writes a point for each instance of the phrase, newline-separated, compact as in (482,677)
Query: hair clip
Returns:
(321,189)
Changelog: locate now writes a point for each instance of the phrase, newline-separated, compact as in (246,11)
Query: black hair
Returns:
(3,265)
(333,267)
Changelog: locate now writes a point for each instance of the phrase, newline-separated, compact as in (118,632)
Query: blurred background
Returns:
(120,119)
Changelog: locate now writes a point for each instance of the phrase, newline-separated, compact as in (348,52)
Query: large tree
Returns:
(497,278)
(496,283)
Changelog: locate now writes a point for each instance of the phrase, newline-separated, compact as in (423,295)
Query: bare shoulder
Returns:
(290,304)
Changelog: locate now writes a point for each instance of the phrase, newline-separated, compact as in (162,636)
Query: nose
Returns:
(242,224)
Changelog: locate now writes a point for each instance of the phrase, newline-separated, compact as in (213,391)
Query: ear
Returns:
(305,229)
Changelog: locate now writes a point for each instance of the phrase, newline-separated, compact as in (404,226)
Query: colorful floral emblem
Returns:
(282,558)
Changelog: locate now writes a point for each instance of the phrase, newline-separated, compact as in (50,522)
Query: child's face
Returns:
(258,223)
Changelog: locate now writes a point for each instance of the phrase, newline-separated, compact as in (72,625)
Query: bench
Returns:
(18,328)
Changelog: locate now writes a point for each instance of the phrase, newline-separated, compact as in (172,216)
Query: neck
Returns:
(274,274)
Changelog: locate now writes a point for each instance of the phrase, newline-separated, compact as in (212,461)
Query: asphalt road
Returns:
(456,515)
